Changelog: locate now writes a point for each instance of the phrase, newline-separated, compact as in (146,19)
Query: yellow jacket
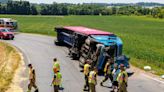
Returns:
(92,77)
(57,79)
(86,69)
(56,66)
(122,77)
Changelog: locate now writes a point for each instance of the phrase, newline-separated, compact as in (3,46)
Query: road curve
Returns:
(40,51)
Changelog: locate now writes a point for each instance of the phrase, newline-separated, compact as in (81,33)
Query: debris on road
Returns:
(162,76)
(148,68)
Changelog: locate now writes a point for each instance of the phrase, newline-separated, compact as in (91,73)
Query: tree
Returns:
(161,13)
(33,10)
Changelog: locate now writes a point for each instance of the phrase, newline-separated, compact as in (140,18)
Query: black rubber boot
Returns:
(36,90)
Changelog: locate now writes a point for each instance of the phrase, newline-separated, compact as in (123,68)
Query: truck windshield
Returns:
(4,30)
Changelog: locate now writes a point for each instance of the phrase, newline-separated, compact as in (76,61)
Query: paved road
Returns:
(40,51)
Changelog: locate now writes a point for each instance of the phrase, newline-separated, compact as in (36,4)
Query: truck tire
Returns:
(1,37)
(58,43)
(12,38)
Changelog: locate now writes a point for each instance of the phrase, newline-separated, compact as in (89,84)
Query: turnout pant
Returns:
(108,76)
(32,84)
(122,87)
(92,87)
(56,88)
(86,82)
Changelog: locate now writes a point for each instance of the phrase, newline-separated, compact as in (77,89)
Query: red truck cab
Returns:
(5,33)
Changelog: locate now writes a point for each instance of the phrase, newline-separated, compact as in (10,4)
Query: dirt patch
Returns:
(10,64)
(19,79)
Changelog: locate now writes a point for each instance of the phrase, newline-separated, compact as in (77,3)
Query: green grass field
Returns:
(143,37)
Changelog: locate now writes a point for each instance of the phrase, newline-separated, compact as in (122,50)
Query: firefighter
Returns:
(122,79)
(86,75)
(56,66)
(32,79)
(115,73)
(56,81)
(108,71)
(93,80)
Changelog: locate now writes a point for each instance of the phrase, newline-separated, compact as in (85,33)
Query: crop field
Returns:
(143,37)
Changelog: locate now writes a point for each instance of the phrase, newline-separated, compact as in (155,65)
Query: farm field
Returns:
(143,37)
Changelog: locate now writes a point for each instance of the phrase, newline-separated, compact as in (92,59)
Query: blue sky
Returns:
(93,1)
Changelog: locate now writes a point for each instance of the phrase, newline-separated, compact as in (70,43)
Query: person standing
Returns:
(93,80)
(122,79)
(32,79)
(108,72)
(86,75)
(115,73)
(56,65)
(56,81)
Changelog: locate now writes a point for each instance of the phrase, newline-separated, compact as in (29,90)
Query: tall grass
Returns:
(9,62)
(142,36)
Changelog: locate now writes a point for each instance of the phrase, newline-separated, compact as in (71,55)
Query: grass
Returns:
(142,36)
(9,62)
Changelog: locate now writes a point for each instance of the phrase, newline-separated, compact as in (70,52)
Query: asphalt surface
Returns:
(40,51)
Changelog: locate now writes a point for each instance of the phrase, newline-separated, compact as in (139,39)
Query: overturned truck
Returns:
(96,45)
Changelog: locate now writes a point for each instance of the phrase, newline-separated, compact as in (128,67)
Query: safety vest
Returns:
(106,66)
(92,77)
(109,70)
(56,67)
(122,77)
(86,69)
(57,80)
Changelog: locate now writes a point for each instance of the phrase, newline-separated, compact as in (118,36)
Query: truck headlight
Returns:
(5,34)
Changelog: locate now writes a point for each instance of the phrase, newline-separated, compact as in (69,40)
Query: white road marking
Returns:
(155,79)
(27,57)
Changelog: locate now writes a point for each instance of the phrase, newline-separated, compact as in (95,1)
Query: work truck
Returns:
(92,44)
(9,23)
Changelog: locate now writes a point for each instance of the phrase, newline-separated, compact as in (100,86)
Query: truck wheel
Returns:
(57,43)
(1,37)
(12,38)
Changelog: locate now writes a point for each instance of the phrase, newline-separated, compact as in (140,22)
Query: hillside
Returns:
(142,4)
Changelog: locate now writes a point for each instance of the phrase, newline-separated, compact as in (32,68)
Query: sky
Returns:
(93,1)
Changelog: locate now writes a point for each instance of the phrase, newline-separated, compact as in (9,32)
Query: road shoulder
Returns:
(19,82)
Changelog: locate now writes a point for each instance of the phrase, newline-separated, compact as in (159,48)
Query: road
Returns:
(40,51)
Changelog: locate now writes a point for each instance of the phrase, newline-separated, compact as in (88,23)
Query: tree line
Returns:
(27,8)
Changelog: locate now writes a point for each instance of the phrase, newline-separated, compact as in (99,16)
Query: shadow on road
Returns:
(130,74)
